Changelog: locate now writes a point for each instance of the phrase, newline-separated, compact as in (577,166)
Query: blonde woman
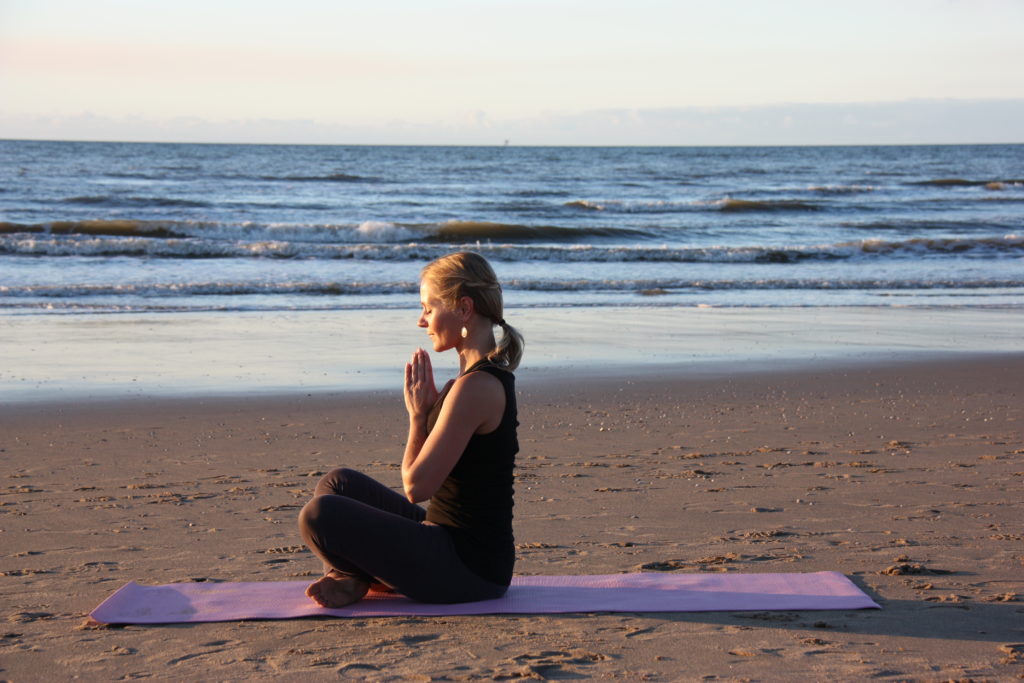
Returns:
(459,455)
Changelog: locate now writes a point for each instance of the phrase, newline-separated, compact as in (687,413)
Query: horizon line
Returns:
(502,144)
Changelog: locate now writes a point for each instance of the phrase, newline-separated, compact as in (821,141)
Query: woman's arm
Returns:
(475,400)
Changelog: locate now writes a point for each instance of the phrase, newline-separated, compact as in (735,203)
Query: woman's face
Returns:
(443,325)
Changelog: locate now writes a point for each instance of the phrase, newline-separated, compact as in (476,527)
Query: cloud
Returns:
(907,122)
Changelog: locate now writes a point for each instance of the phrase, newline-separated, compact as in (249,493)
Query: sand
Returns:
(906,477)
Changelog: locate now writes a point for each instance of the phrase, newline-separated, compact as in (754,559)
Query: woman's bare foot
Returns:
(337,590)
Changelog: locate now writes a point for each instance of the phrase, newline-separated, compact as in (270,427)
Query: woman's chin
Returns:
(436,343)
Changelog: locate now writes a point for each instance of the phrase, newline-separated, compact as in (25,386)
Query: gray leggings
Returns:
(360,527)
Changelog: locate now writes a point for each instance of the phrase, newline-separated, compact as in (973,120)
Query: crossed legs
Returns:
(365,532)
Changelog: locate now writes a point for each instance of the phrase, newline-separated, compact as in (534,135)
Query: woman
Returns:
(459,455)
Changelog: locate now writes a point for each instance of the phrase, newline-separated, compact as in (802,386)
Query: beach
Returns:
(738,359)
(904,474)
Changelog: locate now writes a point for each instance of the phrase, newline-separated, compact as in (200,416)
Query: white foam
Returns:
(380,231)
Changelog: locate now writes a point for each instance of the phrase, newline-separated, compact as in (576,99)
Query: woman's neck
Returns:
(476,346)
(468,360)
(471,355)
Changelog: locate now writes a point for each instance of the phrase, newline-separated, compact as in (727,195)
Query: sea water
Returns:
(180,267)
(107,227)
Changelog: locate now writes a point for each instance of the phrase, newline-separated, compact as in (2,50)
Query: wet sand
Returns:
(89,356)
(906,477)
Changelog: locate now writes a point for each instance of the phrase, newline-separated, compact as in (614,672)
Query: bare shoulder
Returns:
(479,399)
(478,386)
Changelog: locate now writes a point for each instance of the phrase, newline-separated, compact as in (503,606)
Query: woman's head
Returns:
(465,275)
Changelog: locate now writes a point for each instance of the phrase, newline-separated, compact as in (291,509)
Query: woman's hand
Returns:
(420,390)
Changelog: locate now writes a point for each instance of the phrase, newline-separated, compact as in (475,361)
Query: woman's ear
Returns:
(466,307)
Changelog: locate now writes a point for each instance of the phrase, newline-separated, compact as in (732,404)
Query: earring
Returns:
(465,332)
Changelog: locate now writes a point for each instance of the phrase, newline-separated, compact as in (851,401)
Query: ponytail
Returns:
(509,350)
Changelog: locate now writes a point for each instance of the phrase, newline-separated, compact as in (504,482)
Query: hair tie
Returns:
(501,323)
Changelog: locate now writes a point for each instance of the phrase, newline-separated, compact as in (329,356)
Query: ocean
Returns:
(101,228)
(156,269)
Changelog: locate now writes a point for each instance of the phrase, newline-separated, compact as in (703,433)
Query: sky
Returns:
(643,72)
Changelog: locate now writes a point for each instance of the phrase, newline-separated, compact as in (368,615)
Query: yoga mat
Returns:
(649,592)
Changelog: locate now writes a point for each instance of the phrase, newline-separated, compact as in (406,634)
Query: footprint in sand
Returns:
(556,663)
(287,549)
(28,617)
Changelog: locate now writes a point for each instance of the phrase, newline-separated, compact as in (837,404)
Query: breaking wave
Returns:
(639,286)
(730,205)
(841,189)
(385,241)
(455,231)
(992,184)
(585,204)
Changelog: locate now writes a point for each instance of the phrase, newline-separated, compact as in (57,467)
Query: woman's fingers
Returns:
(427,371)
(420,366)
(419,380)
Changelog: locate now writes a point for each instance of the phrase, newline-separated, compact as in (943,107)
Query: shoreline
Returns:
(101,356)
(538,382)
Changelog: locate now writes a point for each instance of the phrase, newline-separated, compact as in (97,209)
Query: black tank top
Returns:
(475,502)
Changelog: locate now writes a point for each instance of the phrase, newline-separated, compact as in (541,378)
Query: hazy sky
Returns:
(480,72)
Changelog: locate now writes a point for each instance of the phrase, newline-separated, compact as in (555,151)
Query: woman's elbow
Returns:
(414,493)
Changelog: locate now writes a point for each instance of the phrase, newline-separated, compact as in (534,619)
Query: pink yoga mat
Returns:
(189,602)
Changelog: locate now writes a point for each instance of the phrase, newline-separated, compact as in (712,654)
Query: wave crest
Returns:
(585,204)
(120,228)
(391,242)
(730,205)
(991,184)
(116,201)
(642,287)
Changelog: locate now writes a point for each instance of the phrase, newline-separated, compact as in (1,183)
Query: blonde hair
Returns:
(468,274)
